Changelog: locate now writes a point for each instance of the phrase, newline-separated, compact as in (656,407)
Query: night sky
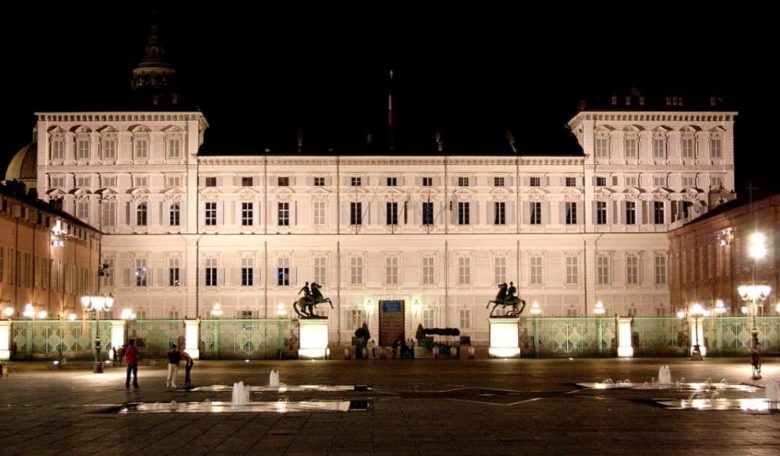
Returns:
(260,73)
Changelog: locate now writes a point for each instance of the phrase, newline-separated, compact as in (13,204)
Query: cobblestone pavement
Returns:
(419,407)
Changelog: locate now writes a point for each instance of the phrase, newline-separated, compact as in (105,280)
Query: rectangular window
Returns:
(82,149)
(141,149)
(211,277)
(660,270)
(602,147)
(630,148)
(499,216)
(716,148)
(463,213)
(392,181)
(57,181)
(630,213)
(247,181)
(283,181)
(174,272)
(141,181)
(283,276)
(140,272)
(211,213)
(688,145)
(463,182)
(247,214)
(464,271)
(211,181)
(464,318)
(536,213)
(247,272)
(571,181)
(632,270)
(174,215)
(571,212)
(356,271)
(319,213)
(109,149)
(602,270)
(716,181)
(427,182)
(108,181)
(320,270)
(355,213)
(499,269)
(427,213)
(601,212)
(688,181)
(108,212)
(283,213)
(392,213)
(355,182)
(658,212)
(601,181)
(58,149)
(498,181)
(391,270)
(535,181)
(535,276)
(141,214)
(319,182)
(659,181)
(427,270)
(429,317)
(572,270)
(174,148)
(659,148)
(631,181)
(82,210)
(173,181)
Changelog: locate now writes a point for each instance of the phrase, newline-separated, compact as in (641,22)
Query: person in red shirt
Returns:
(131,361)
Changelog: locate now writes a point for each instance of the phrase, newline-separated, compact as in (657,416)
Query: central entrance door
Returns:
(391,322)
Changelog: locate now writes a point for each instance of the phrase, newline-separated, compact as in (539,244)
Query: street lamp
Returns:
(216,310)
(754,293)
(127,315)
(97,304)
(696,311)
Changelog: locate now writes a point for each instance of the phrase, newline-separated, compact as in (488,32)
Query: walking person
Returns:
(174,358)
(188,363)
(131,356)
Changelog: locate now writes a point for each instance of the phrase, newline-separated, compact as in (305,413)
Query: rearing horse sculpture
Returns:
(304,306)
(506,299)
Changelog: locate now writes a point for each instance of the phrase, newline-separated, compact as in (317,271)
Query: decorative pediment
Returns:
(210,194)
(106,193)
(320,194)
(394,195)
(535,194)
(139,194)
(603,193)
(172,194)
(572,194)
(463,194)
(284,194)
(56,193)
(247,194)
(139,129)
(107,129)
(81,193)
(500,194)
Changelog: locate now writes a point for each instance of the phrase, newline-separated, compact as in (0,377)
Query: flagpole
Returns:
(390,112)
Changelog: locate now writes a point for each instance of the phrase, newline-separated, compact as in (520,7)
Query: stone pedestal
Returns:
(5,340)
(504,337)
(313,338)
(625,345)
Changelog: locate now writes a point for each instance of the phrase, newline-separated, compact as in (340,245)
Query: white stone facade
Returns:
(184,232)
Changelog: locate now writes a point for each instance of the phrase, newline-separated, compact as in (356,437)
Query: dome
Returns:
(23,165)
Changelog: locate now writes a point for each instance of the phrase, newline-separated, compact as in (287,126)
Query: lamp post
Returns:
(97,304)
(599,310)
(128,316)
(696,311)
(753,294)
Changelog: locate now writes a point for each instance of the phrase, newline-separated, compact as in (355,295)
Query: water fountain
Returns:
(273,379)
(240,394)
(772,390)
(664,375)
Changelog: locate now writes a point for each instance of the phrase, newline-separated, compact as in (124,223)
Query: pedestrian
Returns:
(174,358)
(131,356)
(372,346)
(188,363)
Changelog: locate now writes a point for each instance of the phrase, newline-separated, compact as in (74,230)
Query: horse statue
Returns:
(506,298)
(305,305)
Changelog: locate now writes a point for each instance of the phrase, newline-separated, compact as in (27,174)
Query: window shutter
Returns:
(128,277)
(256,277)
(546,213)
(294,213)
(221,276)
(182,277)
(160,279)
(474,213)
